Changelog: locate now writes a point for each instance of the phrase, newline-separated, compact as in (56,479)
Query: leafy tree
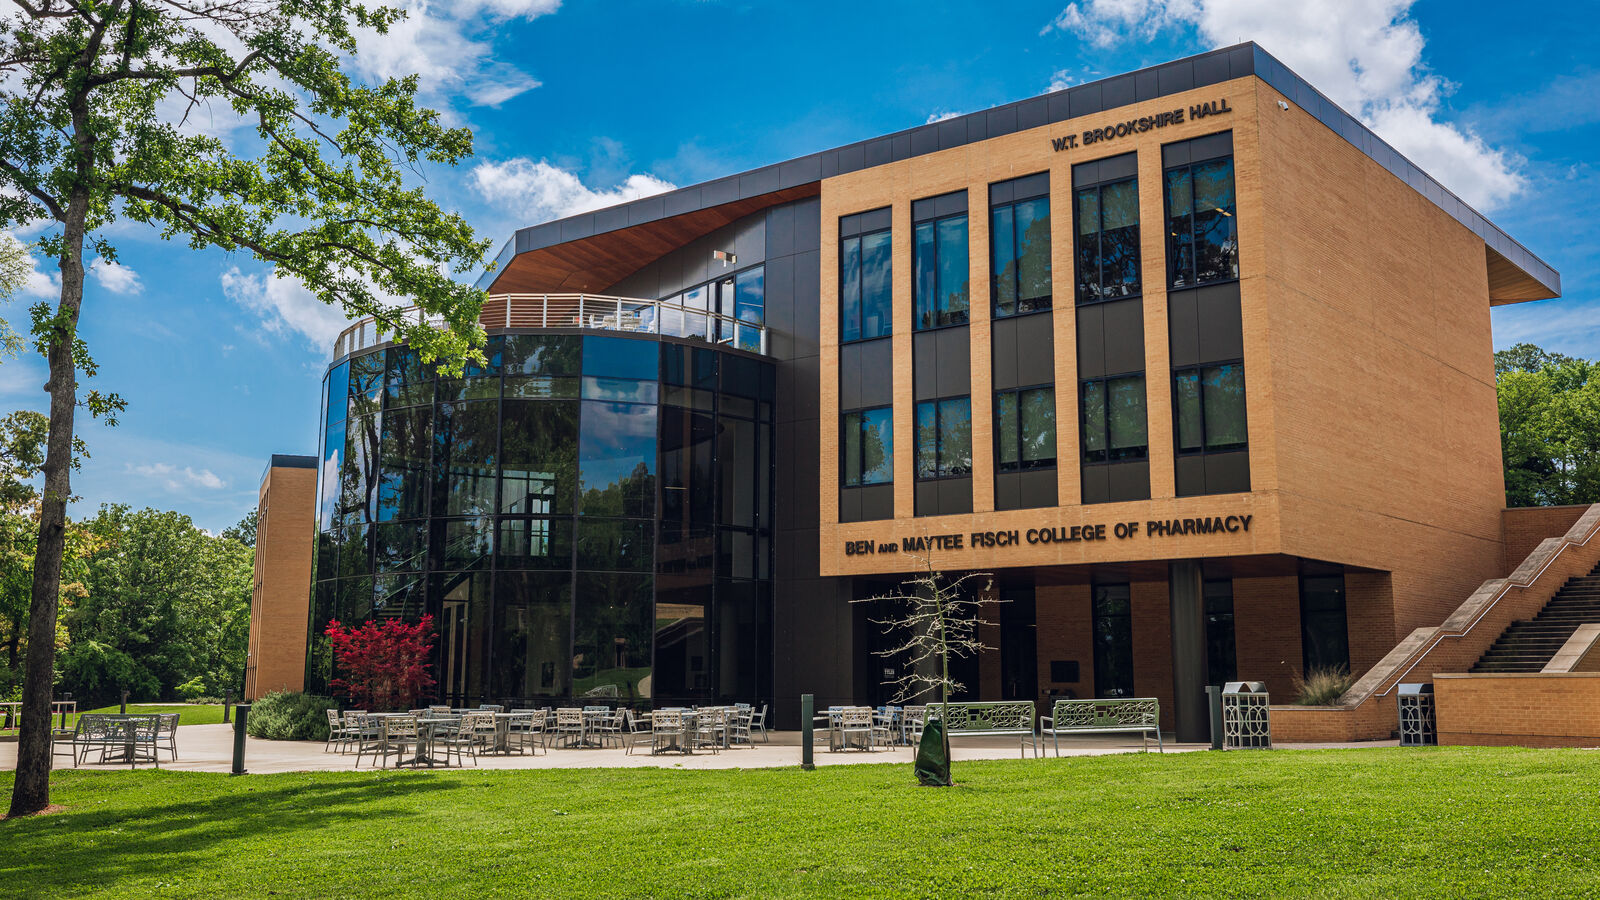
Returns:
(383,665)
(165,604)
(94,131)
(932,620)
(1549,427)
(245,531)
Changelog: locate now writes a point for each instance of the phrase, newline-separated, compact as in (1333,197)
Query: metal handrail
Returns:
(591,311)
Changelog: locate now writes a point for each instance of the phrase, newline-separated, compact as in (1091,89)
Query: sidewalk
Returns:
(209,748)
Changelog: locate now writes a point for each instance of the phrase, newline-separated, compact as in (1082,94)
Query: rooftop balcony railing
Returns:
(591,311)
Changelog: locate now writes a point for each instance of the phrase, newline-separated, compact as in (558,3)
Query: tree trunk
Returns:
(31,791)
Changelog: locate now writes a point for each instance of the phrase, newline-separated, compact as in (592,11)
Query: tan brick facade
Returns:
(1533,710)
(280,602)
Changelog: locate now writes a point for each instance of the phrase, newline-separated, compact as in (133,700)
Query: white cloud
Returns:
(43,285)
(116,278)
(285,306)
(451,47)
(940,116)
(175,479)
(539,191)
(1060,81)
(1366,55)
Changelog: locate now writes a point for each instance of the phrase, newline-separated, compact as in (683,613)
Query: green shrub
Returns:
(283,716)
(209,701)
(191,689)
(1322,686)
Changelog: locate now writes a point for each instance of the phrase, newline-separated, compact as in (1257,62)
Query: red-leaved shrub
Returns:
(382,665)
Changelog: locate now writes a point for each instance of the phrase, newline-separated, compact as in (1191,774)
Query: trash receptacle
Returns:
(1246,716)
(1417,725)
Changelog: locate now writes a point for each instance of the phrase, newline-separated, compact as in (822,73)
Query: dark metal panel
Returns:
(849,504)
(1228,473)
(1001,192)
(830,163)
(646,210)
(783,483)
(877,502)
(1039,488)
(1086,99)
(723,190)
(952,133)
(780,231)
(749,242)
(610,219)
(1221,325)
(1145,86)
(977,127)
(1175,77)
(876,219)
(1124,336)
(577,227)
(807,303)
(1004,355)
(807,225)
(679,202)
(850,158)
(876,359)
(779,311)
(954,361)
(1241,61)
(900,146)
(1211,69)
(924,365)
(1190,476)
(805,451)
(953,203)
(1059,105)
(804,170)
(1118,91)
(924,140)
(1032,113)
(877,153)
(1128,481)
(1008,490)
(1002,121)
(1091,341)
(1035,347)
(1036,185)
(1096,484)
(541,236)
(1183,328)
(927,498)
(808,387)
(955,496)
(761,181)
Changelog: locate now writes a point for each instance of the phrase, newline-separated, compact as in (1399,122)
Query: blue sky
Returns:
(579,104)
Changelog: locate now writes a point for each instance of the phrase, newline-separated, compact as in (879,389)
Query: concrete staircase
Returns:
(1528,645)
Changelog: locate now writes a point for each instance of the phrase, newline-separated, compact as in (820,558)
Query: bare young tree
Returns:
(932,620)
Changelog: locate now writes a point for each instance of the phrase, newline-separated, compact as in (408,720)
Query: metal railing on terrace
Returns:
(594,311)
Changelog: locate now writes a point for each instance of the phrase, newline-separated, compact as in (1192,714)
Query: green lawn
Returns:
(192,713)
(1346,823)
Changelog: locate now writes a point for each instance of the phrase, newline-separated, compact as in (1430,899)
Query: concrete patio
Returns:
(209,748)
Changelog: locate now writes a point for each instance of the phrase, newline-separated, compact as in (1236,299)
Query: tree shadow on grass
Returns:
(93,848)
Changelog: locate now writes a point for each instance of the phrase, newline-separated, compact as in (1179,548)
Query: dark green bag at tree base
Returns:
(933,756)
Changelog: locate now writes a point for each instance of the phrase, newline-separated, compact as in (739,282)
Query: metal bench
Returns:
(1003,719)
(1140,714)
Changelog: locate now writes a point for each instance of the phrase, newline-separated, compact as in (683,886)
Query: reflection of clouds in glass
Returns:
(616,441)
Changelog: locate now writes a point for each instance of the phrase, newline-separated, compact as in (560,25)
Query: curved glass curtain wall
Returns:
(585,517)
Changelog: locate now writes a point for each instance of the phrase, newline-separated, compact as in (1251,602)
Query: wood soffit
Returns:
(594,263)
(1508,283)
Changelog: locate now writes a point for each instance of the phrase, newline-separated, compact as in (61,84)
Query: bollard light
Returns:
(807,705)
(243,711)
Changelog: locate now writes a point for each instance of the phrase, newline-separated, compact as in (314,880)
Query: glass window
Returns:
(338,398)
(408,381)
(366,383)
(941,275)
(465,620)
(613,357)
(332,470)
(944,438)
(869,447)
(478,382)
(743,452)
(611,653)
(400,547)
(398,597)
(529,542)
(532,624)
(464,449)
(358,482)
(1324,632)
(616,545)
(617,459)
(539,465)
(688,467)
(1025,429)
(1020,240)
(737,645)
(462,544)
(1210,408)
(689,367)
(541,354)
(1113,641)
(1113,422)
(405,450)
(683,651)
(1108,241)
(1221,665)
(749,292)
(1202,232)
(865,283)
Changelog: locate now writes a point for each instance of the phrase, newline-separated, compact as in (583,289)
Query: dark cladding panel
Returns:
(1008,490)
(1036,357)
(1183,329)
(955,496)
(1096,484)
(1221,328)
(807,226)
(1175,77)
(1002,121)
(1060,105)
(647,210)
(1032,113)
(1144,85)
(780,230)
(1124,336)
(877,502)
(610,219)
(900,147)
(924,140)
(804,170)
(1086,99)
(804,403)
(1004,355)
(1039,488)
(850,377)
(1228,473)
(679,202)
(1191,476)
(877,372)
(807,304)
(927,498)
(1127,480)
(954,361)
(849,504)
(761,181)
(876,153)
(1091,341)
(1211,68)
(1118,91)
(924,365)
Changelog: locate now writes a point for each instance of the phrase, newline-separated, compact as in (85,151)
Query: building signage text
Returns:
(1058,534)
(1139,125)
